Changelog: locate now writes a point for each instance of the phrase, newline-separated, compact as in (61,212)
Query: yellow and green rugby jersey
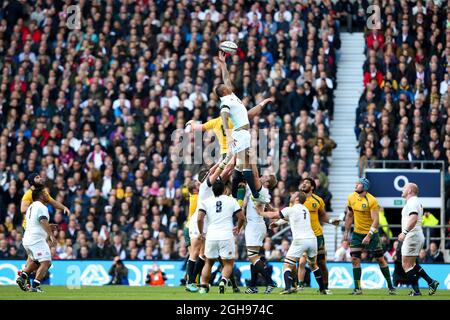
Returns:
(362,206)
(314,203)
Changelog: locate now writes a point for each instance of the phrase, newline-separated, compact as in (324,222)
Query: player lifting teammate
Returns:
(362,207)
(238,138)
(196,258)
(255,231)
(219,240)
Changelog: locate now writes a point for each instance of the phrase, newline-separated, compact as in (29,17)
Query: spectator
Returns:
(434,255)
(343,252)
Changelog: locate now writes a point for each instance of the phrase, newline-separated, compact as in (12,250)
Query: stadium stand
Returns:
(404,111)
(93,110)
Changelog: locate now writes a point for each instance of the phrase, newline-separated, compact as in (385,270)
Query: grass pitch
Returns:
(179,293)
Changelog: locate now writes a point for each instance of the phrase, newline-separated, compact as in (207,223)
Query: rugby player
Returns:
(413,240)
(362,207)
(303,241)
(219,238)
(36,241)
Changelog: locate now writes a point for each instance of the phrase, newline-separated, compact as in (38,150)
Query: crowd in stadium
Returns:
(404,111)
(93,109)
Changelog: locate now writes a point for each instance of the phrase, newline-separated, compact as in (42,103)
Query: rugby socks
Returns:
(253,276)
(237,178)
(240,195)
(413,279)
(261,268)
(287,275)
(224,281)
(319,279)
(357,277)
(198,267)
(421,273)
(233,281)
(24,275)
(248,176)
(190,271)
(387,276)
(36,283)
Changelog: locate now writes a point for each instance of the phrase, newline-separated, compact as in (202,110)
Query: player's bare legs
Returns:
(301,272)
(384,267)
(23,275)
(194,252)
(356,264)
(206,275)
(40,274)
(414,272)
(232,279)
(312,262)
(288,266)
(322,263)
(258,266)
(227,270)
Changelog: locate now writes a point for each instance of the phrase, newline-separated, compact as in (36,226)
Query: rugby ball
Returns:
(228,47)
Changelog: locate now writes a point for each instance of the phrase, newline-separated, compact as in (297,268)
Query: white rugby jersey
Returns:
(238,112)
(250,211)
(204,192)
(300,221)
(35,232)
(412,205)
(219,216)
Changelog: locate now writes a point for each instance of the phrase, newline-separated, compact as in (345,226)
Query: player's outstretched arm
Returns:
(195,126)
(324,218)
(228,165)
(24,206)
(214,172)
(223,68)
(58,205)
(255,172)
(258,108)
(278,223)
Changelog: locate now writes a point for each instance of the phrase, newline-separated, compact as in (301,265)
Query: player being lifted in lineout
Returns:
(239,137)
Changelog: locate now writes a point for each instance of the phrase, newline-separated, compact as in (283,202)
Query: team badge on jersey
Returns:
(314,205)
(364,205)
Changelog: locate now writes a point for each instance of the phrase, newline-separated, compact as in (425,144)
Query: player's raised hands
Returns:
(273,225)
(268,100)
(221,57)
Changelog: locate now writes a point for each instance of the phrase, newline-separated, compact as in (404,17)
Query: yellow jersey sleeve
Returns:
(349,201)
(27,196)
(373,203)
(211,124)
(193,198)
